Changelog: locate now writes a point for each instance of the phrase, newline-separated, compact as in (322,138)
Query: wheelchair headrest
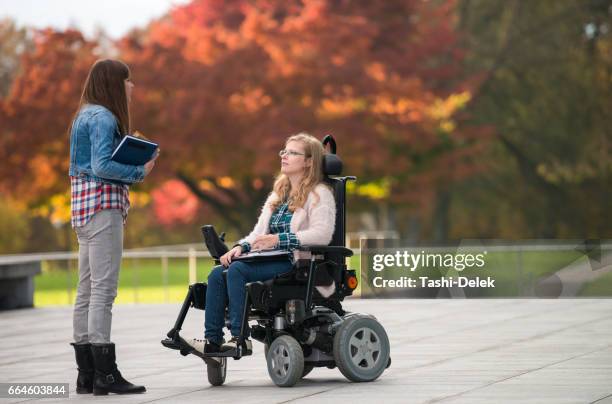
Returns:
(332,165)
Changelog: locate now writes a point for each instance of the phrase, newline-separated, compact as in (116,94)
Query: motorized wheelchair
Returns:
(299,327)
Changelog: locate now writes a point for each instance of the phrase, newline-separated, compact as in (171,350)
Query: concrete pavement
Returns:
(448,351)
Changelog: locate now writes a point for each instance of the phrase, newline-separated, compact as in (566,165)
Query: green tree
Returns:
(13,43)
(546,93)
(14,225)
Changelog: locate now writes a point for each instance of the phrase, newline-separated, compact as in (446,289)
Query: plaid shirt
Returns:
(280,224)
(88,197)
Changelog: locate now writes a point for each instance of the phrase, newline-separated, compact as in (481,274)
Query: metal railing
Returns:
(59,264)
(177,266)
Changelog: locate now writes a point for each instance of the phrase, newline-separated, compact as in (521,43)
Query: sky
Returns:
(115,17)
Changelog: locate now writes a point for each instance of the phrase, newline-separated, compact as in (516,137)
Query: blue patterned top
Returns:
(280,224)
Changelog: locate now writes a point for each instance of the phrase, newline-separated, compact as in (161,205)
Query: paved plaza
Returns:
(448,351)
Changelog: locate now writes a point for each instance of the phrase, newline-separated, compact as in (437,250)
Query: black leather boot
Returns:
(84,361)
(107,377)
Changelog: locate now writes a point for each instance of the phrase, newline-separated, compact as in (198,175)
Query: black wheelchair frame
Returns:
(314,328)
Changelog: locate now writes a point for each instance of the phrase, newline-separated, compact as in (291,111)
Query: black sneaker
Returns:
(233,344)
(212,347)
(202,346)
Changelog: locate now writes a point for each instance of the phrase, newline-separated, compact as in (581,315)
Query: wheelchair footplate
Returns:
(171,344)
(232,353)
(179,344)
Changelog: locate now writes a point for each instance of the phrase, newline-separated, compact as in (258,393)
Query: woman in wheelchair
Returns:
(300,211)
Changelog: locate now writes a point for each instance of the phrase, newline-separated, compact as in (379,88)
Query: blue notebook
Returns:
(134,151)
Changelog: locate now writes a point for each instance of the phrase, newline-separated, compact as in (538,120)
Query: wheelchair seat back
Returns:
(332,169)
(331,270)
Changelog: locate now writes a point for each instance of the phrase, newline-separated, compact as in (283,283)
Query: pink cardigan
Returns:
(313,224)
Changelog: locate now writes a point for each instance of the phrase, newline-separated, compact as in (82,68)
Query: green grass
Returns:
(599,287)
(142,281)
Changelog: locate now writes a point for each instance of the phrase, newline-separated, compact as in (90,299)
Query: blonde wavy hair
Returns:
(313,174)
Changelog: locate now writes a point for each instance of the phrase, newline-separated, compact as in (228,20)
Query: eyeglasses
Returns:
(290,153)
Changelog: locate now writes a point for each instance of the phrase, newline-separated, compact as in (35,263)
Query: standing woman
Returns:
(100,201)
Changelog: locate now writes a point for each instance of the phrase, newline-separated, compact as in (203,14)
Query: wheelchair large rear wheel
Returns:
(361,348)
(216,371)
(285,360)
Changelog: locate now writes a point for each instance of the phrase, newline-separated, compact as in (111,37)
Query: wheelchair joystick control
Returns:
(214,243)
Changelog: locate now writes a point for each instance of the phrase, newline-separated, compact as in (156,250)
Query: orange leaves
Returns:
(37,112)
(406,110)
(46,176)
(226,182)
(220,84)
(376,71)
(250,100)
(340,107)
(205,30)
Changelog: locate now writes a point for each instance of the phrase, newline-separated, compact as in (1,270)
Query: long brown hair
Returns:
(105,86)
(313,174)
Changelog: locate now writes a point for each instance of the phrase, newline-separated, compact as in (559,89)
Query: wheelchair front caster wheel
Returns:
(307,368)
(216,371)
(361,348)
(285,360)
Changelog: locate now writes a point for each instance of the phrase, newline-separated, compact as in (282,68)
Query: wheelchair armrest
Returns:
(322,249)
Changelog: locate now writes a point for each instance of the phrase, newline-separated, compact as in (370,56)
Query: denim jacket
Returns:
(93,138)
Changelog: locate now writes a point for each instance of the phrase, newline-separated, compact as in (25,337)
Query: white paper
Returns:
(262,253)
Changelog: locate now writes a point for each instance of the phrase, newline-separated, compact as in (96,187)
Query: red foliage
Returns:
(174,203)
(34,146)
(221,84)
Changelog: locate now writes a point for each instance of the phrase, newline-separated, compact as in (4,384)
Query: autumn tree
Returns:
(221,84)
(36,114)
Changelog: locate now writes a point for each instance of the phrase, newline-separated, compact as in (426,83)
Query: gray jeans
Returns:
(100,249)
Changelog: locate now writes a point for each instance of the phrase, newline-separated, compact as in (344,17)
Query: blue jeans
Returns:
(217,294)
